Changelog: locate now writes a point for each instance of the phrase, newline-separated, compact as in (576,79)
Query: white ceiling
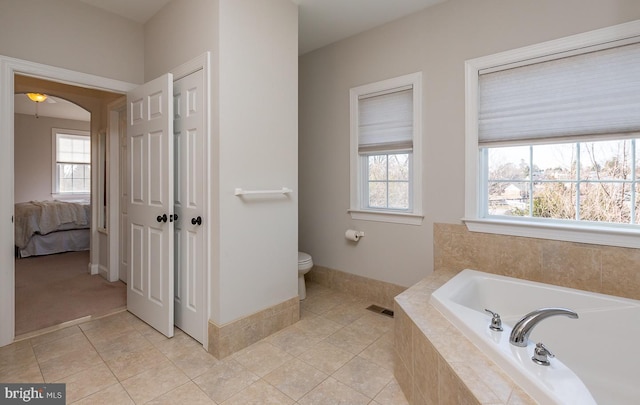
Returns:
(321,22)
(136,10)
(51,107)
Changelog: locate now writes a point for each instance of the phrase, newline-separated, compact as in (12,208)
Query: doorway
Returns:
(8,68)
(55,200)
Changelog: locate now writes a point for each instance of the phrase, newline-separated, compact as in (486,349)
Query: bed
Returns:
(48,227)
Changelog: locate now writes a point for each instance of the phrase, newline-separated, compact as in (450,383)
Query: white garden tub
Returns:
(597,356)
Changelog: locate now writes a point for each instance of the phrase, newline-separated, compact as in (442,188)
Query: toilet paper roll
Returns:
(353,235)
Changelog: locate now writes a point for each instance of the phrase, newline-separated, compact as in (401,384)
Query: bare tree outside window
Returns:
(586,181)
(388,181)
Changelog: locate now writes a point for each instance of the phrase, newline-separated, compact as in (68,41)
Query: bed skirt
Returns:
(57,242)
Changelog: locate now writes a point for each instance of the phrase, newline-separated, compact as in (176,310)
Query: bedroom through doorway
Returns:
(60,215)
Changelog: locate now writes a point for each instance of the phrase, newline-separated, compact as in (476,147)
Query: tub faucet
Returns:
(522,329)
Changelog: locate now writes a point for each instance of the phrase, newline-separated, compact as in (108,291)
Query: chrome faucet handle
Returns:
(496,322)
(541,355)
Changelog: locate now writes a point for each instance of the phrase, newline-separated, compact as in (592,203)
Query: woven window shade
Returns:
(594,93)
(385,121)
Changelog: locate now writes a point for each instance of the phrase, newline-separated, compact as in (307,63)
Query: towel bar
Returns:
(283,190)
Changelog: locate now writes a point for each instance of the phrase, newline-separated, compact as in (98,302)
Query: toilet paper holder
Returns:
(353,235)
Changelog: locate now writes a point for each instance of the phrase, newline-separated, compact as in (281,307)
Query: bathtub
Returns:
(597,356)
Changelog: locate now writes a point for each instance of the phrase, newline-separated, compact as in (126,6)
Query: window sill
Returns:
(581,233)
(386,216)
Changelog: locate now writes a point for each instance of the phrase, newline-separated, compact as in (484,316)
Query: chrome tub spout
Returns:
(522,329)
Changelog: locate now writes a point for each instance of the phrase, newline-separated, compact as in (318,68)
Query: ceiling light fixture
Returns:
(37,98)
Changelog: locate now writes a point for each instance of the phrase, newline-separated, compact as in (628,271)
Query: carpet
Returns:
(58,288)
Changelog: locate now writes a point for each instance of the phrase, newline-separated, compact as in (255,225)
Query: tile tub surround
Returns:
(435,363)
(234,336)
(603,269)
(379,292)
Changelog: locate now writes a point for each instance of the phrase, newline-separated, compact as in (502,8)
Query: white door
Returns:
(150,203)
(189,189)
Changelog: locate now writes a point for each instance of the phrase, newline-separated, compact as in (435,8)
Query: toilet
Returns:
(305,263)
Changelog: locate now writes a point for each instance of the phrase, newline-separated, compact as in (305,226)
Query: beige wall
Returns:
(181,31)
(72,35)
(254,139)
(436,42)
(258,150)
(33,154)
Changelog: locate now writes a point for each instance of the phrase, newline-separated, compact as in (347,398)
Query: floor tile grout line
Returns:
(118,382)
(37,361)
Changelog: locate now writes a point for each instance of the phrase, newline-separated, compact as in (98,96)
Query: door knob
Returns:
(197,220)
(162,218)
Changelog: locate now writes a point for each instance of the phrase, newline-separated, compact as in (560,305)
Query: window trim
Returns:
(602,234)
(55,193)
(414,216)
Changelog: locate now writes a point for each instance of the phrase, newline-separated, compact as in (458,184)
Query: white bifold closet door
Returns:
(150,291)
(189,189)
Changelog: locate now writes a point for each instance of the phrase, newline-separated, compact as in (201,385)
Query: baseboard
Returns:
(236,335)
(376,291)
(103,271)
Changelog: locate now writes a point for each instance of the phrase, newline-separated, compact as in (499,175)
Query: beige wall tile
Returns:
(425,368)
(404,377)
(572,265)
(607,269)
(621,272)
(378,292)
(451,390)
(402,338)
(235,336)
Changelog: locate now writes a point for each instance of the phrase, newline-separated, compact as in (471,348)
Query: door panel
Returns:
(150,203)
(189,183)
(124,201)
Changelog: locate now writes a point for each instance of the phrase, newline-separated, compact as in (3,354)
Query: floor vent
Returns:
(380,310)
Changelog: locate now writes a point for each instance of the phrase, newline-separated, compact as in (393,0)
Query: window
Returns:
(553,133)
(386,150)
(71,162)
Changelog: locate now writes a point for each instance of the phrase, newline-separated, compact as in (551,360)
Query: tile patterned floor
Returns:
(339,353)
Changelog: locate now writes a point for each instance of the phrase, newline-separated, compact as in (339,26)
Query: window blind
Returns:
(595,93)
(385,121)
